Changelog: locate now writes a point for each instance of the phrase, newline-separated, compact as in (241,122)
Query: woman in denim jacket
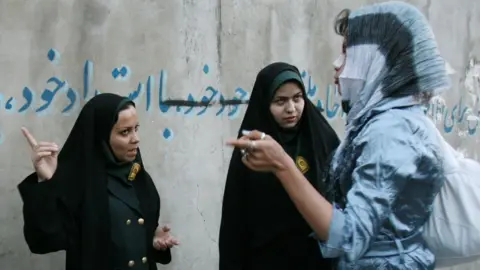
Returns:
(386,173)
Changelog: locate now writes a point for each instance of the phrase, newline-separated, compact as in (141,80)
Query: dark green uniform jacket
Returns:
(89,208)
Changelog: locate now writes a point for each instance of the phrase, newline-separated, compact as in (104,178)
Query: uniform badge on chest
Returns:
(134,171)
(302,164)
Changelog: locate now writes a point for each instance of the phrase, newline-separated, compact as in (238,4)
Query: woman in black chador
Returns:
(98,204)
(260,227)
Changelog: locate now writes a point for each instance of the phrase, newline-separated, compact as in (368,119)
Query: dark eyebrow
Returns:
(129,127)
(299,93)
(285,97)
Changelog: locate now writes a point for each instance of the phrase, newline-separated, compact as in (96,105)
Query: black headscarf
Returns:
(313,132)
(82,170)
(256,208)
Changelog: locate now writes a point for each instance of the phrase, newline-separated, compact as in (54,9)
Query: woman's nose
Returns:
(290,106)
(337,74)
(135,138)
(338,63)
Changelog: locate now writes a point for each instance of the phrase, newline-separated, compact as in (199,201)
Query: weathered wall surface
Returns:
(54,54)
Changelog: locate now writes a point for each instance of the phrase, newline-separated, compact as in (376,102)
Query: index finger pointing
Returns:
(239,143)
(30,139)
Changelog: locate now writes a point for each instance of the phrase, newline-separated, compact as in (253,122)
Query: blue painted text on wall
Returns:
(213,99)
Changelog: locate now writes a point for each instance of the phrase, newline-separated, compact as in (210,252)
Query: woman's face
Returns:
(287,105)
(124,138)
(339,65)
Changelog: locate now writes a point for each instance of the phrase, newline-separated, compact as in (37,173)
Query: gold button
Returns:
(141,221)
(131,263)
(128,221)
(144,259)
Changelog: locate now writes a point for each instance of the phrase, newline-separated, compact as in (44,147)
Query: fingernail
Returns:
(245,132)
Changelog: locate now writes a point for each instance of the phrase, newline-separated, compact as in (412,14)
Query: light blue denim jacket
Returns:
(390,194)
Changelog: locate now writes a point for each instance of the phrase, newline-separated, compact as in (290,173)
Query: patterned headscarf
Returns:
(391,50)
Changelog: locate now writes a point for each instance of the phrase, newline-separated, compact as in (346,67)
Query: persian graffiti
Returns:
(213,100)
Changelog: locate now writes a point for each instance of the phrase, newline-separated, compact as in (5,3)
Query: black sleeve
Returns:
(44,219)
(232,236)
(162,256)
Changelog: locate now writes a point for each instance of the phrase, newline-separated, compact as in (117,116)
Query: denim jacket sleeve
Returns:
(387,158)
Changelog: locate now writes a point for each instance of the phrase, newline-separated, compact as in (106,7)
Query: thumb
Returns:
(253,135)
(55,154)
(166,228)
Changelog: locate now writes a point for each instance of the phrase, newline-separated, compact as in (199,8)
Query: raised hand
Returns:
(44,156)
(163,239)
(261,152)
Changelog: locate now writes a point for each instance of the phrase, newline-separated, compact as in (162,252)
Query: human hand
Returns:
(261,152)
(44,156)
(163,240)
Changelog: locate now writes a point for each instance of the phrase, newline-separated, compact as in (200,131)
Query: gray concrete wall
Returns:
(176,49)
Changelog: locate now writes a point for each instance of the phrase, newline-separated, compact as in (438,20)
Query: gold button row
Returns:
(141,221)
(132,263)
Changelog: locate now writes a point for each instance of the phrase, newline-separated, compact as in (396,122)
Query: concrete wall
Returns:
(53,53)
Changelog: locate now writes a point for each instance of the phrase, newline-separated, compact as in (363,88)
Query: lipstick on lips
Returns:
(290,119)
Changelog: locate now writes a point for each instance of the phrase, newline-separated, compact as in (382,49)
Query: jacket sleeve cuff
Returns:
(163,256)
(332,248)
